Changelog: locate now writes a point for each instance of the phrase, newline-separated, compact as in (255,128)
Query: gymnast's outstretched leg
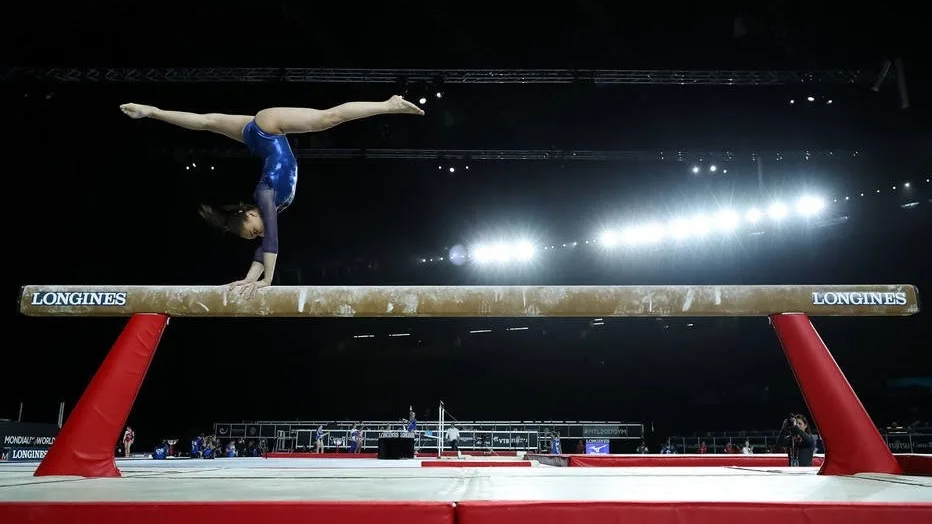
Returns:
(286,120)
(226,125)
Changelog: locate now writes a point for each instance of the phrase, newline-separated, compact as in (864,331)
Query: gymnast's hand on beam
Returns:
(249,289)
(239,283)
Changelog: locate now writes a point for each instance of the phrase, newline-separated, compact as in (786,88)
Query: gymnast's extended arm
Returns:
(267,253)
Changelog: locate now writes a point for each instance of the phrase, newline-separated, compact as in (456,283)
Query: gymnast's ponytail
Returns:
(228,219)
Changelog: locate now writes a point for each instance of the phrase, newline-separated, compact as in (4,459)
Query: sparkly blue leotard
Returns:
(276,188)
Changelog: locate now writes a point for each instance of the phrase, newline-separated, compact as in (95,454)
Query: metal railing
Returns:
(474,434)
(764,441)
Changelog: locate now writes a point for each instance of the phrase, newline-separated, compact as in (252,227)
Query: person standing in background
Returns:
(129,436)
(555,447)
(319,439)
(453,437)
(795,438)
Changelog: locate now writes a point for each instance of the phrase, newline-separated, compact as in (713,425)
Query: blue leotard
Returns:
(276,188)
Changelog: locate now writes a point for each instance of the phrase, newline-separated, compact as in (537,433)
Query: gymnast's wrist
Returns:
(255,271)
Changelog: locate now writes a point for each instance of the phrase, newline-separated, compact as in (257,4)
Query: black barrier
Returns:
(921,443)
(394,445)
(910,442)
(26,440)
(899,442)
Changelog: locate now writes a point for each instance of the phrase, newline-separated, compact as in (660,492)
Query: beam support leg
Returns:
(86,444)
(852,442)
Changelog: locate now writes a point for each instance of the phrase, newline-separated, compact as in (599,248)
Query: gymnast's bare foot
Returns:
(401,106)
(137,110)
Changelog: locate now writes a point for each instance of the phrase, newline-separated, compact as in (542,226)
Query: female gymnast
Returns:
(264,135)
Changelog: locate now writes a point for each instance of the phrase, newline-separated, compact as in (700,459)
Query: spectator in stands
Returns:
(795,438)
(197,446)
(643,449)
(161,451)
(730,448)
(703,449)
(668,448)
(412,420)
(746,449)
(818,445)
(208,452)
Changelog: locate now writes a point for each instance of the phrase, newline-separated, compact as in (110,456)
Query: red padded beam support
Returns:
(86,444)
(852,442)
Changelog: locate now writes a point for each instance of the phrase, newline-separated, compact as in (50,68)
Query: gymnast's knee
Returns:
(284,120)
(269,121)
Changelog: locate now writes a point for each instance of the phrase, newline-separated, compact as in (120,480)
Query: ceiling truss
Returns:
(196,75)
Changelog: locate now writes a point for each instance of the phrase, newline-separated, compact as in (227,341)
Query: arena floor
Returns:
(183,490)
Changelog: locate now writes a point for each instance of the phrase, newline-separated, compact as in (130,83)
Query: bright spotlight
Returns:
(695,169)
(629,235)
(699,225)
(754,215)
(727,220)
(608,238)
(712,168)
(501,253)
(808,206)
(481,254)
(652,233)
(777,210)
(679,229)
(642,235)
(524,251)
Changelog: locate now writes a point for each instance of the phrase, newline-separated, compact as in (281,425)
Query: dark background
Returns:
(93,197)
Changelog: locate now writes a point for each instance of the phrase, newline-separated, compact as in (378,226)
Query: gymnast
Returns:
(264,135)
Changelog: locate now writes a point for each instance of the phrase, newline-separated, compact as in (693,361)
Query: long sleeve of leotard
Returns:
(265,200)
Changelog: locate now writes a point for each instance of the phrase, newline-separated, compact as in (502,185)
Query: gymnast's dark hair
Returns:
(228,219)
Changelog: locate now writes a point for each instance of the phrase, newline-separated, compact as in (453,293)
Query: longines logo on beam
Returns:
(859,298)
(94,298)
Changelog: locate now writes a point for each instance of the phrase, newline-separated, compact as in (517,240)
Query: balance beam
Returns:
(84,446)
(472,301)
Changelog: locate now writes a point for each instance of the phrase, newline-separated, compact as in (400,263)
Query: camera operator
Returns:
(795,438)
